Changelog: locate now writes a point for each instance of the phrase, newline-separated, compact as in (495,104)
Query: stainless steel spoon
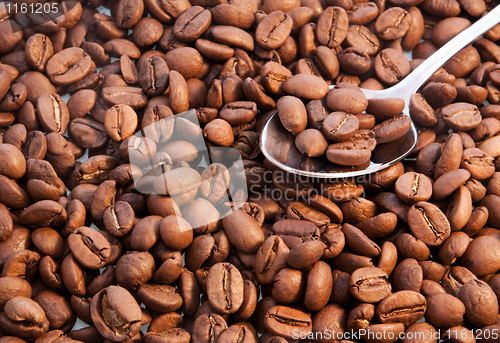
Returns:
(278,145)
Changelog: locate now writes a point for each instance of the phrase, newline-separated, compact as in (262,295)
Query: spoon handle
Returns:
(412,82)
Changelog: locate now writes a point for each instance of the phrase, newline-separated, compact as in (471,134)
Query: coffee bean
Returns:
(332,25)
(391,66)
(281,320)
(392,23)
(273,30)
(120,122)
(413,303)
(428,223)
(369,284)
(68,66)
(117,303)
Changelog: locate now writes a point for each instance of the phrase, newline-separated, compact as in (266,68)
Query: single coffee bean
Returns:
(347,99)
(392,129)
(421,111)
(311,143)
(392,24)
(153,76)
(68,66)
(413,187)
(89,247)
(273,30)
(88,133)
(293,114)
(332,25)
(208,327)
(428,223)
(192,23)
(120,122)
(306,86)
(478,292)
(53,113)
(225,288)
(282,320)
(115,313)
(18,312)
(369,284)
(412,303)
(340,126)
(461,116)
(391,66)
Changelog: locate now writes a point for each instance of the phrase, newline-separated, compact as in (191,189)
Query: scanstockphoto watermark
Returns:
(458,333)
(365,334)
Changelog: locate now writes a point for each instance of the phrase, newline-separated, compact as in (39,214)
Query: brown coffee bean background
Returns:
(94,248)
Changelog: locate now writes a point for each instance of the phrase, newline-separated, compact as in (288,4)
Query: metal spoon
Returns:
(278,145)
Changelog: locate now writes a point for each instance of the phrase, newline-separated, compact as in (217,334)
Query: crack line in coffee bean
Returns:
(276,78)
(371,281)
(113,319)
(213,324)
(152,75)
(478,160)
(403,311)
(226,286)
(118,122)
(271,257)
(367,38)
(240,336)
(116,224)
(100,174)
(42,53)
(454,281)
(346,118)
(430,224)
(275,26)
(297,213)
(213,180)
(395,26)
(89,243)
(190,20)
(311,68)
(387,63)
(288,321)
(416,182)
(57,112)
(333,27)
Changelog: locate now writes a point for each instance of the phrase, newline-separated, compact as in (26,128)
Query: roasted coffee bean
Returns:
(273,30)
(428,223)
(52,112)
(412,303)
(89,247)
(369,284)
(115,313)
(281,320)
(332,25)
(293,114)
(486,313)
(391,66)
(68,66)
(340,126)
(24,318)
(413,187)
(392,24)
(120,122)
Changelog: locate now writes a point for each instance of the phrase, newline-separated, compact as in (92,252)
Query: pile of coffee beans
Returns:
(354,134)
(109,219)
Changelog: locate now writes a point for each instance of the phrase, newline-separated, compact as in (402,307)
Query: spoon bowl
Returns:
(278,144)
